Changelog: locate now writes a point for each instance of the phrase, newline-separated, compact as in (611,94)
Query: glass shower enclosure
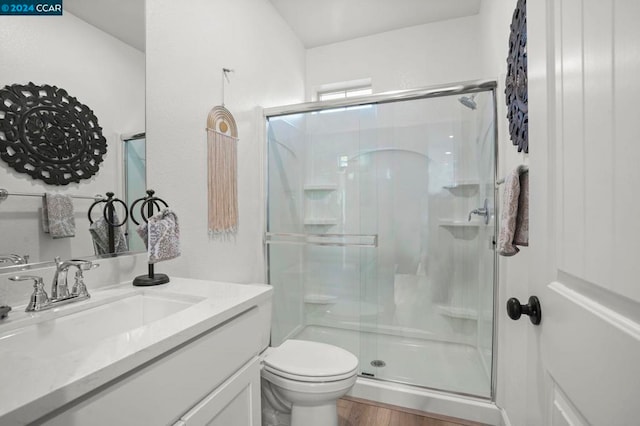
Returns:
(135,181)
(381,232)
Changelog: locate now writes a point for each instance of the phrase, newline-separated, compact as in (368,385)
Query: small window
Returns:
(344,93)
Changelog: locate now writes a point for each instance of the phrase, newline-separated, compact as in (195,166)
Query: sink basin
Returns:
(67,329)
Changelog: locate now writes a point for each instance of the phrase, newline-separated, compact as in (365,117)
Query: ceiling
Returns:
(315,22)
(123,19)
(320,22)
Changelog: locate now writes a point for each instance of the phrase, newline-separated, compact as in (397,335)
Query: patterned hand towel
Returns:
(161,235)
(514,223)
(99,231)
(57,216)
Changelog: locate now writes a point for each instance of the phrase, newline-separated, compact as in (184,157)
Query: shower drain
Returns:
(378,363)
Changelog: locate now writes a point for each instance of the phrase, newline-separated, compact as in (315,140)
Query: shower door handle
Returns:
(532,309)
(335,240)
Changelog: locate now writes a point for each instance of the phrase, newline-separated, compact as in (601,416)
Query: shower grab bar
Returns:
(322,239)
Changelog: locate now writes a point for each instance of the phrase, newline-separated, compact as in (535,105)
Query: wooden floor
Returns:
(364,413)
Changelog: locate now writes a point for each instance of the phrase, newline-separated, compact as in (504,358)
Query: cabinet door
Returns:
(234,403)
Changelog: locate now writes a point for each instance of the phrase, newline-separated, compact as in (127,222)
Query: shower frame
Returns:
(451,89)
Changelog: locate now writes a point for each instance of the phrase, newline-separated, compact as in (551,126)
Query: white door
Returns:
(584,118)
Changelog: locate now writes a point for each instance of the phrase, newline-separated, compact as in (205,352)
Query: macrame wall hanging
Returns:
(48,134)
(222,159)
(516,81)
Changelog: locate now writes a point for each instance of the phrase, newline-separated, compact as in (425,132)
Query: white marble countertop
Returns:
(33,383)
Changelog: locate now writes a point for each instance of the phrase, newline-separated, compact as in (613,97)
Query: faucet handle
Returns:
(83,265)
(79,288)
(34,278)
(86,265)
(39,298)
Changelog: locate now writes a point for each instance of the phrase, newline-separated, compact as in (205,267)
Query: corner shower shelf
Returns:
(320,187)
(321,221)
(462,184)
(454,223)
(320,299)
(457,312)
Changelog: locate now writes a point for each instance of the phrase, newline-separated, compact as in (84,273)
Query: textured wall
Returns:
(188,43)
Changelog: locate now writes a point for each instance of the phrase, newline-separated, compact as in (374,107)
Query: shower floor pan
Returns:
(446,366)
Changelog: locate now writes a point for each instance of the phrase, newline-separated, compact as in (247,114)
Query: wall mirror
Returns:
(95,51)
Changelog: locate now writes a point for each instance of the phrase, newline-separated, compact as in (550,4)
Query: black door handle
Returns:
(533,309)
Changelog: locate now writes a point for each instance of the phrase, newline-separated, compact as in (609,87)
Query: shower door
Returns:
(378,238)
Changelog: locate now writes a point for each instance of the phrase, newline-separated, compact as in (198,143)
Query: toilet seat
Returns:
(311,362)
(309,379)
(308,388)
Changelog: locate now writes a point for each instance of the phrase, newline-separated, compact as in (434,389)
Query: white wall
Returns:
(102,73)
(419,56)
(188,44)
(513,271)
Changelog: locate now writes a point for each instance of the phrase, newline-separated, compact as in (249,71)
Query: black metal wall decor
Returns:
(516,82)
(48,134)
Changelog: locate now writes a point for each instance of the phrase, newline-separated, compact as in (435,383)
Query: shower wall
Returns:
(404,175)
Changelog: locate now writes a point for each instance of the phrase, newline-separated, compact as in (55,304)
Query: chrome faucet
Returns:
(15,259)
(59,286)
(60,294)
(481,211)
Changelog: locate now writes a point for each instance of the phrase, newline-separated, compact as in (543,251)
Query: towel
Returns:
(161,235)
(514,224)
(57,216)
(99,231)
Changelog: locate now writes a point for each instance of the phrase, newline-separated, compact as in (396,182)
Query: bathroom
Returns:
(188,45)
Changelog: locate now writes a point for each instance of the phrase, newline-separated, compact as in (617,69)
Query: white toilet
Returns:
(302,381)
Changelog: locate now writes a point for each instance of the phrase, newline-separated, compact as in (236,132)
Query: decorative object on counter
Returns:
(516,81)
(222,159)
(106,231)
(48,134)
(58,216)
(161,235)
(514,223)
(4,311)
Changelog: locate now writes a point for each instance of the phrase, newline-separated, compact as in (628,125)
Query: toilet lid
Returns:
(306,359)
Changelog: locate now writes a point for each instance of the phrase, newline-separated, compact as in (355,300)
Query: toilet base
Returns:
(318,415)
(302,381)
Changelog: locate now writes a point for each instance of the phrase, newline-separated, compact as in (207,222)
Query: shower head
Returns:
(468,101)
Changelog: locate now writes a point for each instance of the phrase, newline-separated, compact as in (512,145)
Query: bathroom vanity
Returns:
(185,353)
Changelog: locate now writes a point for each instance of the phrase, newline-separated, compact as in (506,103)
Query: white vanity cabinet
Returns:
(210,379)
(235,402)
